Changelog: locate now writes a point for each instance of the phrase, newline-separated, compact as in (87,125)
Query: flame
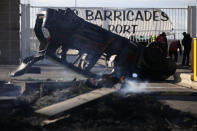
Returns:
(122,77)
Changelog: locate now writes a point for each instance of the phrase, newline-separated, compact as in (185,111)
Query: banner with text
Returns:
(127,22)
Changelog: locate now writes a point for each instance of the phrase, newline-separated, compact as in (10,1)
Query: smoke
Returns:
(131,86)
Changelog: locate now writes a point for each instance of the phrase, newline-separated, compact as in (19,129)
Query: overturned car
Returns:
(68,31)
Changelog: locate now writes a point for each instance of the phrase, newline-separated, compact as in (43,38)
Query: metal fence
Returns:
(30,44)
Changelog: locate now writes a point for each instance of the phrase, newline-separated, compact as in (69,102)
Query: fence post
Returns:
(25,30)
(194,59)
(191,21)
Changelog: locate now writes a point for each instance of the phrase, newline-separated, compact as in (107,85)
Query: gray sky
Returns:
(113,3)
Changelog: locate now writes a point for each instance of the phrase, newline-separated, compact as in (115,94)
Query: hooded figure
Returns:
(186,42)
(173,49)
(162,41)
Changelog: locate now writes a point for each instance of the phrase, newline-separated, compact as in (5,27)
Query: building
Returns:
(9,32)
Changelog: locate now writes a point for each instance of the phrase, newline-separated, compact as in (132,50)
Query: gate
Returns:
(29,43)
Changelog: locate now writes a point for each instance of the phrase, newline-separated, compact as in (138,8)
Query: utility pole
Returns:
(75,3)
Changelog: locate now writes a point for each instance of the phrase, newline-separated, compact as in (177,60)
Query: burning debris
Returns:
(113,112)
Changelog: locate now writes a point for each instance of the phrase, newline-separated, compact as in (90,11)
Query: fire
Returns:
(122,77)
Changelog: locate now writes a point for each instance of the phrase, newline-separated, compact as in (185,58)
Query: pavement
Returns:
(183,77)
(179,92)
(48,73)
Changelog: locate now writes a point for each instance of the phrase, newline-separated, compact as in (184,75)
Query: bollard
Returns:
(194,58)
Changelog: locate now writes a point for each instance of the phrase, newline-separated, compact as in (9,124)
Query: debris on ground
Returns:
(115,112)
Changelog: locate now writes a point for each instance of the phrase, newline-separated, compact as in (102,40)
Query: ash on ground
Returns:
(110,113)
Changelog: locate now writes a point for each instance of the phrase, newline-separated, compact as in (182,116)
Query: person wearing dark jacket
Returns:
(163,44)
(173,49)
(186,42)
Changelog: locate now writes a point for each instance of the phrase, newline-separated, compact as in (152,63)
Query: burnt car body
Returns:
(69,31)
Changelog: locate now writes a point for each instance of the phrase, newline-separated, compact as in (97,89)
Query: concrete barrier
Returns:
(184,79)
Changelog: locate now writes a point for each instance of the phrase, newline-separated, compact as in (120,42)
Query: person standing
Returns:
(163,44)
(173,49)
(186,42)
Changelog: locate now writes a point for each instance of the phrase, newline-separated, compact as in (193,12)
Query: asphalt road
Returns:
(167,92)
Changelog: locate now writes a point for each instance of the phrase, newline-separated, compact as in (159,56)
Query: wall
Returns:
(9,32)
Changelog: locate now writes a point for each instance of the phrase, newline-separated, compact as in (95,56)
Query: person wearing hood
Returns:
(186,42)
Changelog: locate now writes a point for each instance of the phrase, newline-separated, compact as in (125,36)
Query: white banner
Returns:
(127,22)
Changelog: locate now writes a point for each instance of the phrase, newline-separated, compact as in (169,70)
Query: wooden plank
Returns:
(6,98)
(61,107)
